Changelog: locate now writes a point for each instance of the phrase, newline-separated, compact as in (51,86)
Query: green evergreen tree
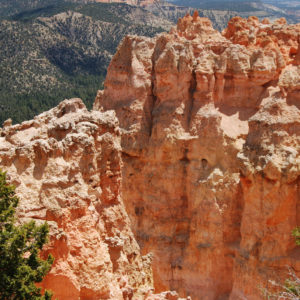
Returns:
(20,264)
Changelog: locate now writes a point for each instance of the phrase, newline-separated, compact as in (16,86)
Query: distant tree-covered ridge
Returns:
(62,51)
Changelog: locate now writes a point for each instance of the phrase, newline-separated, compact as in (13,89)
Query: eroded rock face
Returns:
(198,134)
(210,134)
(66,166)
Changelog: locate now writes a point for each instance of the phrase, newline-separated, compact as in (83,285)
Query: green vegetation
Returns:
(25,106)
(60,51)
(20,264)
(10,7)
(115,12)
(112,13)
(47,11)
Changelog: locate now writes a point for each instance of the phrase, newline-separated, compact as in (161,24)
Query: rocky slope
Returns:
(291,8)
(11,7)
(245,8)
(191,154)
(171,12)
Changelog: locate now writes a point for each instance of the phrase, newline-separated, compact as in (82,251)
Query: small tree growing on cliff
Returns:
(20,264)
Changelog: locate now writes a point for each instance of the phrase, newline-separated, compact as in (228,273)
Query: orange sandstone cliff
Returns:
(66,166)
(210,134)
(184,177)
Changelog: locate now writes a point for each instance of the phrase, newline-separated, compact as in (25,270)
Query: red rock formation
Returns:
(205,159)
(210,133)
(66,166)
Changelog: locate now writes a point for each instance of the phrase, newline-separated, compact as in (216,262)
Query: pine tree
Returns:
(20,264)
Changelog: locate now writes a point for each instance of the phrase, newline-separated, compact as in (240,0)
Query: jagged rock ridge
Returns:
(201,169)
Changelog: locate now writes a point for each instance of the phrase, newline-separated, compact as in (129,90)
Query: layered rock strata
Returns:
(210,134)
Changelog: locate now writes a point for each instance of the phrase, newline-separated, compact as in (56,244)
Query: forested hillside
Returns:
(171,12)
(56,52)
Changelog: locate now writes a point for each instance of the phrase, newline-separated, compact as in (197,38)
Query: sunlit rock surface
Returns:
(66,166)
(210,134)
(183,180)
